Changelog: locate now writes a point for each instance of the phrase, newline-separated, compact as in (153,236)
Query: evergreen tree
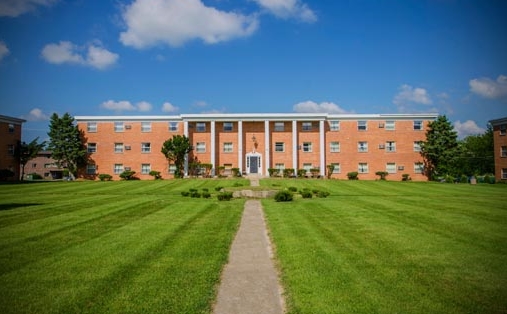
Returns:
(66,142)
(175,150)
(440,150)
(478,153)
(26,152)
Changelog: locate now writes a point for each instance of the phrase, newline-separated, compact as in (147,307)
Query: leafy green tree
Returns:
(66,142)
(478,154)
(26,152)
(175,150)
(440,150)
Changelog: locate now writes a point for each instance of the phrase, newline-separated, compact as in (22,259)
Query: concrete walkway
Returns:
(250,281)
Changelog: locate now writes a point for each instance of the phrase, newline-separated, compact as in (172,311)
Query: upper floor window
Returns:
(91,127)
(362,125)
(503,151)
(227,126)
(307,126)
(200,147)
(145,126)
(391,146)
(91,169)
(11,128)
(391,167)
(418,125)
(334,125)
(200,127)
(362,147)
(173,126)
(307,147)
(228,147)
(10,149)
(119,127)
(279,147)
(390,125)
(118,147)
(145,147)
(279,126)
(417,146)
(334,147)
(145,168)
(92,147)
(503,129)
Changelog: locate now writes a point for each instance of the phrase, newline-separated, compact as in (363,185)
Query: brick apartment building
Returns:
(254,143)
(45,166)
(500,144)
(10,136)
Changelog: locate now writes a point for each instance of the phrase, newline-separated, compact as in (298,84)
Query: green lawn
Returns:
(113,247)
(392,247)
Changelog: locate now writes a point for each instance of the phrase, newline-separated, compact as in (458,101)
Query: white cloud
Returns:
(118,106)
(143,106)
(289,9)
(410,95)
(14,8)
(168,107)
(323,107)
(174,22)
(67,52)
(4,51)
(489,88)
(467,128)
(36,114)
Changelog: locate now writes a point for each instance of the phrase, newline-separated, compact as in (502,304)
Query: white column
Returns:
(295,146)
(322,148)
(185,133)
(212,148)
(240,146)
(266,147)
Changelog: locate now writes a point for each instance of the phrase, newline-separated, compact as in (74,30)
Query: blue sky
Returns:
(165,57)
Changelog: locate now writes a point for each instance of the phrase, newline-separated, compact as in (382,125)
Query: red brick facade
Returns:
(10,136)
(500,143)
(363,143)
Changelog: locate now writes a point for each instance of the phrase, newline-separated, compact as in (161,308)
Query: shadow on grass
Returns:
(10,206)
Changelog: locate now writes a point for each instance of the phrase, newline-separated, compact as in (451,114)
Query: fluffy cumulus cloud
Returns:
(67,52)
(489,88)
(409,94)
(467,128)
(4,51)
(313,107)
(15,8)
(36,114)
(174,22)
(168,107)
(289,9)
(124,105)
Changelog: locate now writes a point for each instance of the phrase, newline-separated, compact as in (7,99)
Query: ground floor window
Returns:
(145,168)
(362,167)
(200,147)
(91,169)
(391,167)
(172,168)
(418,167)
(336,168)
(504,173)
(118,168)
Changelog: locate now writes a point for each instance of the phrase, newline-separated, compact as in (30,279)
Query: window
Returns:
(334,147)
(118,127)
(279,147)
(307,126)
(200,147)
(173,126)
(279,126)
(307,147)
(145,168)
(91,169)
(503,129)
(145,126)
(362,167)
(10,149)
(362,125)
(391,146)
(118,168)
(362,147)
(336,168)
(227,126)
(334,125)
(418,167)
(418,125)
(92,148)
(91,127)
(118,147)
(390,125)
(280,167)
(391,167)
(307,167)
(503,151)
(34,165)
(172,168)
(145,147)
(228,147)
(417,146)
(11,128)
(200,127)
(504,173)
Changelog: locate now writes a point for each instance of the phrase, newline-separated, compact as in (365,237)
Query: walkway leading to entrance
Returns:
(250,281)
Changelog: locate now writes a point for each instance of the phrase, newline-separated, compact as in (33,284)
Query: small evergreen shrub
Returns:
(35,176)
(315,191)
(206,194)
(301,173)
(105,177)
(288,172)
(463,179)
(382,175)
(405,177)
(305,193)
(283,196)
(322,194)
(192,190)
(205,189)
(273,172)
(156,175)
(195,194)
(235,172)
(185,193)
(218,188)
(293,189)
(237,184)
(127,175)
(353,175)
(224,196)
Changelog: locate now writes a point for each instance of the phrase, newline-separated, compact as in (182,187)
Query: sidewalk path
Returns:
(249,281)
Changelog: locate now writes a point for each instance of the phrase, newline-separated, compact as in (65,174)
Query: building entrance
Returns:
(253,163)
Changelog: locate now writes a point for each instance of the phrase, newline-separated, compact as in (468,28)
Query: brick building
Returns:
(10,136)
(254,143)
(45,166)
(500,143)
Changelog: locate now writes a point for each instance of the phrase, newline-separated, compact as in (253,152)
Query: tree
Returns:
(440,150)
(175,150)
(26,152)
(478,153)
(66,142)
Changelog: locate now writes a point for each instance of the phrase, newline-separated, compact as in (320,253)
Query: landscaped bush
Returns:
(155,174)
(206,194)
(235,172)
(288,172)
(405,177)
(127,175)
(283,196)
(273,172)
(105,177)
(218,188)
(305,193)
(463,179)
(382,174)
(205,189)
(353,175)
(6,173)
(323,194)
(449,179)
(35,176)
(236,184)
(195,194)
(224,196)
(301,173)
(185,193)
(293,189)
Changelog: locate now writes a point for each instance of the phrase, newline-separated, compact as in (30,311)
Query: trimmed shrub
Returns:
(283,196)
(405,177)
(127,175)
(322,194)
(206,194)
(36,176)
(195,194)
(293,189)
(305,193)
(449,179)
(185,193)
(463,179)
(235,172)
(205,189)
(301,173)
(382,174)
(236,184)
(288,172)
(224,196)
(353,175)
(218,188)
(105,177)
(273,172)
(156,175)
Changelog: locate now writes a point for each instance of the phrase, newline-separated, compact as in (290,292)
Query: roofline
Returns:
(498,121)
(7,119)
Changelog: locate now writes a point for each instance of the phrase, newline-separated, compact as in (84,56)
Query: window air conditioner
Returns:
(381,125)
(401,167)
(127,168)
(127,147)
(381,146)
(128,127)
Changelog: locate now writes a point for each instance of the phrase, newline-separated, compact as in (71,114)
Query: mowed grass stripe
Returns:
(384,254)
